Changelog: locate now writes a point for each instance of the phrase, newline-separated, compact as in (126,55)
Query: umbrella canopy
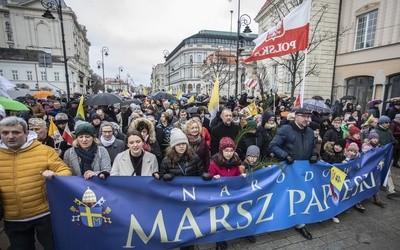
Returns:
(316,105)
(162,95)
(43,94)
(373,102)
(348,97)
(5,85)
(317,97)
(129,101)
(10,104)
(104,99)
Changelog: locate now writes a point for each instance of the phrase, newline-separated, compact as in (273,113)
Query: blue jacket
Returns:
(293,141)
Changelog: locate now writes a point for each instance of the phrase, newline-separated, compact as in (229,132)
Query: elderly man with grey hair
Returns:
(24,162)
(107,138)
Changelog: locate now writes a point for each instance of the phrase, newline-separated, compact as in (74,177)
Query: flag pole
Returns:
(304,79)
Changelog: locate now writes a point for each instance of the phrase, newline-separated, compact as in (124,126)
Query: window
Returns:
(1,72)
(14,74)
(43,75)
(8,25)
(57,76)
(29,75)
(366,29)
(361,87)
(9,37)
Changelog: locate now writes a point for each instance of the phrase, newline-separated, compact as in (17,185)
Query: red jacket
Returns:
(223,171)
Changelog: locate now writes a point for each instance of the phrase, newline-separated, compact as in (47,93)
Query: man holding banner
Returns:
(295,141)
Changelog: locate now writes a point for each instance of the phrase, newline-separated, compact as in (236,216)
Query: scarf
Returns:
(107,143)
(194,140)
(86,157)
(230,163)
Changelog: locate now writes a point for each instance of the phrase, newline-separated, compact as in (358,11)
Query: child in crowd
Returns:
(226,163)
(252,156)
(370,143)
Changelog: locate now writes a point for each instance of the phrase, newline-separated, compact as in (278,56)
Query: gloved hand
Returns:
(168,177)
(289,160)
(313,159)
(206,176)
(103,175)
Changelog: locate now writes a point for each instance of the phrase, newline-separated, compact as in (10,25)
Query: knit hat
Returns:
(253,150)
(373,135)
(354,130)
(383,119)
(351,119)
(85,129)
(2,111)
(177,137)
(251,124)
(314,126)
(353,147)
(341,142)
(61,117)
(95,116)
(226,142)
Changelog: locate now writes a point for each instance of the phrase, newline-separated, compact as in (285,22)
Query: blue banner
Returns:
(144,213)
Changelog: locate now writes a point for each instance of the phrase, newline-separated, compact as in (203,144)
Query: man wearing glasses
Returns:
(295,141)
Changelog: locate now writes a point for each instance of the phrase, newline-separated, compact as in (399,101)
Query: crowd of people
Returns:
(160,138)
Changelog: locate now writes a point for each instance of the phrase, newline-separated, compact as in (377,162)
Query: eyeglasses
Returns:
(107,132)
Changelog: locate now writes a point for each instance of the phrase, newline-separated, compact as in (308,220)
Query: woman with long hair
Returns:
(134,161)
(197,141)
(86,157)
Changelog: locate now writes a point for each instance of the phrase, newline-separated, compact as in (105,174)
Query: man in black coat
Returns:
(224,128)
(295,141)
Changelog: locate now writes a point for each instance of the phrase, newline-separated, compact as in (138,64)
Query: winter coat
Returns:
(395,128)
(117,147)
(23,191)
(265,134)
(293,141)
(193,167)
(219,131)
(385,135)
(203,152)
(101,161)
(332,135)
(123,165)
(223,171)
(330,156)
(246,141)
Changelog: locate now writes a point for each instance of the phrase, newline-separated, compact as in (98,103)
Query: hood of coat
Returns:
(152,133)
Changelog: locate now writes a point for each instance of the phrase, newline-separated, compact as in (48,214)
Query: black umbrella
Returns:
(139,96)
(162,95)
(104,99)
(317,97)
(129,101)
(348,97)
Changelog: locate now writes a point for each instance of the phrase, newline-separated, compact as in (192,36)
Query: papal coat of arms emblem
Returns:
(90,211)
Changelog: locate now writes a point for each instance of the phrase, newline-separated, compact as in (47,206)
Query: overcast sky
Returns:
(138,31)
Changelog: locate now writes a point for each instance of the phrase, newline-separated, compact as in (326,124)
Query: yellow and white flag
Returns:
(54,132)
(191,99)
(80,110)
(213,105)
(337,177)
(145,91)
(170,91)
(179,95)
(252,108)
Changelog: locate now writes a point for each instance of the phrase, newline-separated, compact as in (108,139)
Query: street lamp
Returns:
(100,64)
(120,69)
(166,54)
(56,5)
(242,20)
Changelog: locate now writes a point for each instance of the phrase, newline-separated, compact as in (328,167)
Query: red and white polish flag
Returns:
(288,36)
(251,83)
(67,135)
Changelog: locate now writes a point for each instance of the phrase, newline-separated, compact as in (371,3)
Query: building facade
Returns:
(186,69)
(320,56)
(157,80)
(368,56)
(24,28)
